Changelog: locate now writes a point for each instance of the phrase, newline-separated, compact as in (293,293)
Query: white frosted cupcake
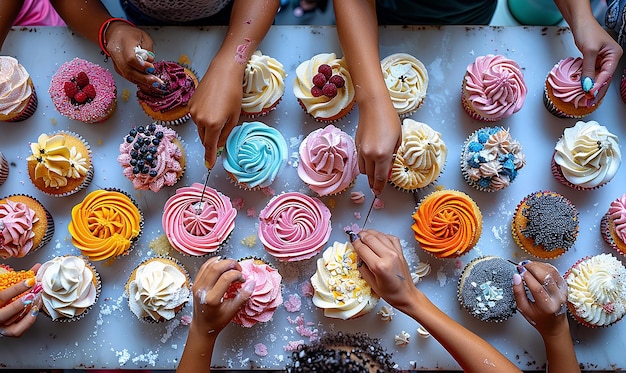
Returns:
(407,81)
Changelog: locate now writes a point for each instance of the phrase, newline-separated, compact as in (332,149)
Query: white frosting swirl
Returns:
(263,83)
(407,80)
(14,87)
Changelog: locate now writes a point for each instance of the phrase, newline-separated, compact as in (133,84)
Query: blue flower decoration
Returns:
(475,146)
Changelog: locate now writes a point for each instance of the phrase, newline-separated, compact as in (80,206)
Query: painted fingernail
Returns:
(517,279)
(150,70)
(28,299)
(36,289)
(359,264)
(151,54)
(29,282)
(586,83)
(34,311)
(352,236)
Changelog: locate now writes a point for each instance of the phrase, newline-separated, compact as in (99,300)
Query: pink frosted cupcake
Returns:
(25,226)
(294,226)
(586,157)
(198,227)
(493,88)
(4,169)
(152,157)
(563,93)
(328,161)
(266,295)
(613,225)
(84,91)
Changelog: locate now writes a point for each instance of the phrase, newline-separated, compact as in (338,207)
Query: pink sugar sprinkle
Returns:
(185,320)
(240,53)
(293,345)
(352,227)
(307,289)
(251,212)
(458,264)
(268,191)
(304,328)
(260,349)
(293,303)
(357,215)
(238,203)
(378,204)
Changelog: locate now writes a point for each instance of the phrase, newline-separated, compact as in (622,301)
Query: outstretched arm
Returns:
(8,13)
(379,132)
(216,104)
(549,316)
(600,51)
(387,272)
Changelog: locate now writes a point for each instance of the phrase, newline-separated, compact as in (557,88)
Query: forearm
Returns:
(197,353)
(575,12)
(8,13)
(85,19)
(470,351)
(560,351)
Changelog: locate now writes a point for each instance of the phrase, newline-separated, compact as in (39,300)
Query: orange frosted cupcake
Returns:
(25,226)
(447,223)
(545,224)
(105,224)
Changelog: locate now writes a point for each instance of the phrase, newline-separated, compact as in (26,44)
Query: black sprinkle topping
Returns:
(552,221)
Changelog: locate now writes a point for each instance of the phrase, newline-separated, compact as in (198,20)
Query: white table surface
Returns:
(110,336)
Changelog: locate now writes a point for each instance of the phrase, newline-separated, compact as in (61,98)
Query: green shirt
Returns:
(435,12)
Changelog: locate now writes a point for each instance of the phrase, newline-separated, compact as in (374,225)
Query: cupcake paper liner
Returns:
(4,169)
(263,112)
(30,108)
(558,175)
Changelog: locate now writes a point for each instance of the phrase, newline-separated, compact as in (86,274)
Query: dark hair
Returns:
(342,353)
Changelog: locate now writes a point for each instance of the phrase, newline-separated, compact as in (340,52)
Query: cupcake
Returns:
(4,169)
(152,157)
(586,157)
(545,224)
(338,286)
(18,99)
(254,154)
(25,226)
(324,88)
(447,223)
(172,107)
(493,88)
(60,164)
(328,161)
(596,290)
(266,296)
(563,93)
(197,224)
(71,287)
(407,81)
(83,91)
(420,158)
(613,225)
(485,289)
(491,159)
(158,289)
(105,224)
(294,226)
(263,85)
(622,86)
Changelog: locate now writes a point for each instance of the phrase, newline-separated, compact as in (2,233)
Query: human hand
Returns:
(547,311)
(122,41)
(18,316)
(384,267)
(215,106)
(211,312)
(378,135)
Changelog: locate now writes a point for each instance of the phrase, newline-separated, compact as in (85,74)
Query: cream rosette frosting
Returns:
(69,286)
(420,158)
(323,106)
(339,288)
(588,154)
(158,290)
(597,289)
(328,160)
(263,83)
(14,86)
(294,226)
(407,81)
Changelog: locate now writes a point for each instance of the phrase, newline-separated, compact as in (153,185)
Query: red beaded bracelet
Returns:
(103,29)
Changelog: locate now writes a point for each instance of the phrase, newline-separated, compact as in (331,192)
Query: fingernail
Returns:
(29,282)
(150,70)
(36,289)
(586,83)
(218,258)
(28,299)
(151,54)
(34,311)
(517,279)
(353,236)
(359,263)
(248,287)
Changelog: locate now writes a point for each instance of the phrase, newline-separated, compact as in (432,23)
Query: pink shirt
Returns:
(38,13)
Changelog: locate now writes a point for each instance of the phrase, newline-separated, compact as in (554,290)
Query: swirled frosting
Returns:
(294,226)
(15,91)
(105,224)
(57,160)
(491,159)
(254,154)
(588,154)
(263,83)
(564,79)
(339,288)
(323,107)
(617,215)
(447,223)
(159,288)
(407,81)
(597,289)
(196,227)
(16,229)
(494,87)
(266,295)
(420,157)
(179,87)
(328,160)
(69,286)
(152,157)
